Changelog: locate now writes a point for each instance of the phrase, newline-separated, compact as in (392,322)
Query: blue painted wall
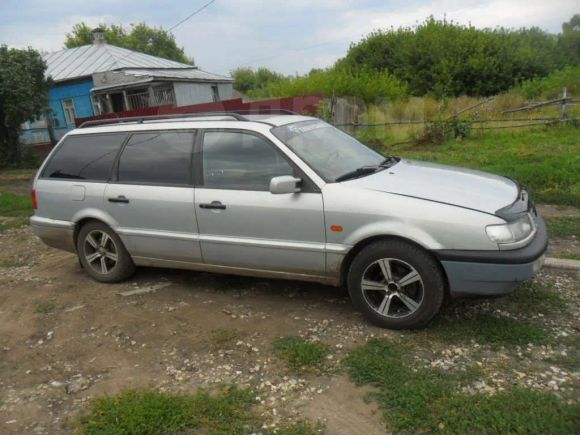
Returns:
(80,93)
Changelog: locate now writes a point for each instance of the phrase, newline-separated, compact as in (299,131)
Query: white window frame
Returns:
(70,113)
(215,93)
(96,105)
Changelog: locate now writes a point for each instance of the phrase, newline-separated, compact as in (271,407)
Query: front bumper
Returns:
(488,273)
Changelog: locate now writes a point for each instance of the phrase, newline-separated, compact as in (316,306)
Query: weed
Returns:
(152,412)
(437,132)
(222,336)
(533,296)
(228,411)
(420,400)
(301,355)
(565,226)
(9,262)
(485,329)
(302,427)
(45,307)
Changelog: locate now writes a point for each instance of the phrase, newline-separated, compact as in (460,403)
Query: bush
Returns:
(552,85)
(371,86)
(438,131)
(444,58)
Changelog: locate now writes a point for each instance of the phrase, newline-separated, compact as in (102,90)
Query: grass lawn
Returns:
(300,355)
(425,400)
(545,160)
(228,411)
(564,226)
(14,210)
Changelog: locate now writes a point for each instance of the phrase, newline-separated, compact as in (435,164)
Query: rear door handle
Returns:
(214,205)
(121,198)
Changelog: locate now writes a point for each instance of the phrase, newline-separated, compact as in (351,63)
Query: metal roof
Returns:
(145,75)
(180,73)
(73,63)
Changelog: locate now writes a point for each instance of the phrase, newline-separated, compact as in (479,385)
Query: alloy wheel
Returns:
(392,287)
(100,252)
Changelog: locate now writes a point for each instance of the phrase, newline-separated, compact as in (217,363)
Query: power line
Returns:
(197,11)
(191,15)
(282,53)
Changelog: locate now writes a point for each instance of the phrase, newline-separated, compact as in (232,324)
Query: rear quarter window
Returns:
(161,158)
(85,157)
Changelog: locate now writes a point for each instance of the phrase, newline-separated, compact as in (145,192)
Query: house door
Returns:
(118,102)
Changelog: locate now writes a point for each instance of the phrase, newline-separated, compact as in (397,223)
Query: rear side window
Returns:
(157,158)
(86,157)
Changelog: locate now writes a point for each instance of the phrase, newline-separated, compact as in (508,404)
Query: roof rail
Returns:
(265,111)
(237,115)
(141,119)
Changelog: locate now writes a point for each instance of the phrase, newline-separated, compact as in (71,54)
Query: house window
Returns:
(96,105)
(69,111)
(215,92)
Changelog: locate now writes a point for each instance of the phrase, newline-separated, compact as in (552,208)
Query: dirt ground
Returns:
(65,339)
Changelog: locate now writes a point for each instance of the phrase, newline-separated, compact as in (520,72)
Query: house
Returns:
(102,78)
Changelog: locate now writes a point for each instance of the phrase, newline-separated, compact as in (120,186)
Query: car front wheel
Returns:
(396,284)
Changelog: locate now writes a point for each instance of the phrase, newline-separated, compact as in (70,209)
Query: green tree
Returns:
(254,83)
(447,59)
(569,42)
(23,95)
(140,37)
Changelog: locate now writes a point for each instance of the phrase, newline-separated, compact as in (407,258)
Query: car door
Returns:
(152,197)
(241,223)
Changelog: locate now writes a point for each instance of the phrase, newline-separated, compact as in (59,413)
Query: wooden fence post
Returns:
(564,99)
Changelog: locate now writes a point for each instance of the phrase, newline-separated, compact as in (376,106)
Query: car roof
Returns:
(176,122)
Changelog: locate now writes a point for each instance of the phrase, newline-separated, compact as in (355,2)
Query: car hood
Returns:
(446,184)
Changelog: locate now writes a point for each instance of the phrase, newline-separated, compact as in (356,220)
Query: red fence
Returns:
(305,104)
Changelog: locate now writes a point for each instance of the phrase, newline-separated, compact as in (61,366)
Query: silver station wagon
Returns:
(285,196)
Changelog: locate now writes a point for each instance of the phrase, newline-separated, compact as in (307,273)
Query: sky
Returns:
(290,36)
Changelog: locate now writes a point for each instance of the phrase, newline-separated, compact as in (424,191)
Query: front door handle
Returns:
(120,199)
(214,205)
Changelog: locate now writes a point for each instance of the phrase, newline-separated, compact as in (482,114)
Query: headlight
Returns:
(511,232)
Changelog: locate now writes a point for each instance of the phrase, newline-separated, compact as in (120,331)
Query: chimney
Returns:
(98,36)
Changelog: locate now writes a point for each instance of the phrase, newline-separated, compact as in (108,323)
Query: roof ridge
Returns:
(85,60)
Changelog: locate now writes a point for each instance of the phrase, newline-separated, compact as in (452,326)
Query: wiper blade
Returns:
(358,172)
(364,170)
(389,161)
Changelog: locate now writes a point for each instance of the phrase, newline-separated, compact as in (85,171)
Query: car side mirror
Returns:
(284,184)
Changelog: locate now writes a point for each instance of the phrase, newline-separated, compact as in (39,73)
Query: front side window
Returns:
(330,152)
(157,158)
(241,161)
(85,157)
(68,106)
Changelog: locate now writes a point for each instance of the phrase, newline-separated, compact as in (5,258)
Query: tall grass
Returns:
(371,86)
(551,86)
(544,159)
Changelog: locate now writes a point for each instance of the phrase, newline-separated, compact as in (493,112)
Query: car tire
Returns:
(409,297)
(102,253)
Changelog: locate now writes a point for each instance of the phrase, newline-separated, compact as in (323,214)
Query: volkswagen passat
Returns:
(285,196)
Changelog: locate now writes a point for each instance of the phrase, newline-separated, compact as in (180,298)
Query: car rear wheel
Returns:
(102,253)
(396,285)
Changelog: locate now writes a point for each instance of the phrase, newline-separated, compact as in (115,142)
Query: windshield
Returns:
(327,150)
